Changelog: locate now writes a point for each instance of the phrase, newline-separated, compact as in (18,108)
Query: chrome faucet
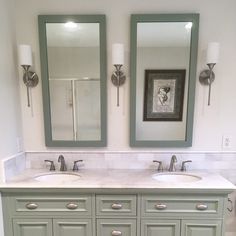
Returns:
(63,163)
(172,163)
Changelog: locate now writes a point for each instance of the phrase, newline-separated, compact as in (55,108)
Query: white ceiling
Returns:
(84,35)
(163,34)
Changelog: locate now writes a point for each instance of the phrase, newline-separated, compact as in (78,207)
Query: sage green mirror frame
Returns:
(101,20)
(164,18)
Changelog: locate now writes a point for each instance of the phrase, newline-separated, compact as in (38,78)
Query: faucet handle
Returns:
(52,166)
(75,167)
(183,166)
(160,166)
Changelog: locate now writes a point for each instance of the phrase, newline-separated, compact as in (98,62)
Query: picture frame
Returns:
(164,95)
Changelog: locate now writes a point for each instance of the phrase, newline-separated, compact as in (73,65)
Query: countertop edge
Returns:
(117,190)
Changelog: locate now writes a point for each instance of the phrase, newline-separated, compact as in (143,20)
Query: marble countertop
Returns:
(91,179)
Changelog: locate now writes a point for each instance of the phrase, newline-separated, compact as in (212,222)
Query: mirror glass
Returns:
(162,71)
(73,49)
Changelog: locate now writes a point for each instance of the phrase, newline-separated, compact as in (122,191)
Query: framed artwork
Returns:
(164,95)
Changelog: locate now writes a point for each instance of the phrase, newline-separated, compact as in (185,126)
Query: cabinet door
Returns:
(35,227)
(201,228)
(116,227)
(72,227)
(160,228)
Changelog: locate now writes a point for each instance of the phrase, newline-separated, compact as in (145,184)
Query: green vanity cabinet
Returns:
(160,227)
(32,227)
(72,227)
(49,227)
(88,212)
(116,227)
(48,214)
(201,227)
(181,228)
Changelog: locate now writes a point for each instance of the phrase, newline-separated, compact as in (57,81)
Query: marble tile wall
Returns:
(13,165)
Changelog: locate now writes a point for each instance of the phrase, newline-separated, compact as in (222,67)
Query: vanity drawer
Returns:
(116,204)
(81,204)
(116,227)
(174,206)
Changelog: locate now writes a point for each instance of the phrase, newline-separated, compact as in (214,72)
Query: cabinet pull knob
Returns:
(72,206)
(161,206)
(31,206)
(202,207)
(116,233)
(116,206)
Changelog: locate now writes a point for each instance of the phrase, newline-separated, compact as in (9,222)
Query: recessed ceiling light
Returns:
(70,25)
(189,25)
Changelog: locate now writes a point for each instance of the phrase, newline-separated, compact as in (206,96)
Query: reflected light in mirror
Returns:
(189,25)
(71,25)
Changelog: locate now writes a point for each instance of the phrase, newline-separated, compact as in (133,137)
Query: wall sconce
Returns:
(25,59)
(207,77)
(118,77)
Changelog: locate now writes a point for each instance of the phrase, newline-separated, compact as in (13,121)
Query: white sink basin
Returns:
(57,177)
(176,177)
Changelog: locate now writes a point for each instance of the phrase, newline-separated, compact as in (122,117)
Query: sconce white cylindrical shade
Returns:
(118,54)
(213,51)
(25,55)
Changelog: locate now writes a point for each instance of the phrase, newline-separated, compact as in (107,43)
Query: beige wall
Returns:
(217,23)
(10,118)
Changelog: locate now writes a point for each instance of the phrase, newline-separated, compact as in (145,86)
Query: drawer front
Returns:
(116,227)
(116,204)
(173,206)
(29,205)
(72,227)
(150,227)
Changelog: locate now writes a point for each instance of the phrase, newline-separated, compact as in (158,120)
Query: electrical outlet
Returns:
(226,141)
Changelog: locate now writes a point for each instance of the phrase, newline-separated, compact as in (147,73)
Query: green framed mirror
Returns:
(163,74)
(73,68)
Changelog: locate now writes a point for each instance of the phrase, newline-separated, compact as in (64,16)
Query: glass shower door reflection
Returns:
(75,110)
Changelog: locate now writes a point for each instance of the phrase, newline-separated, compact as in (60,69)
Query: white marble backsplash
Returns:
(13,165)
(222,163)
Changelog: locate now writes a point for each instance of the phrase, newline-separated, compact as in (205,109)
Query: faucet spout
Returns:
(172,163)
(61,159)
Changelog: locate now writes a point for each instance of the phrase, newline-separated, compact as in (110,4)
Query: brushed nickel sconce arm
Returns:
(207,77)
(118,78)
(30,80)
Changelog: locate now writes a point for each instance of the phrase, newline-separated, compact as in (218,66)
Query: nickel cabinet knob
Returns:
(31,206)
(116,233)
(72,206)
(116,206)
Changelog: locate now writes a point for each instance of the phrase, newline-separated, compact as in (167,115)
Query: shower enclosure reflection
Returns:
(74,78)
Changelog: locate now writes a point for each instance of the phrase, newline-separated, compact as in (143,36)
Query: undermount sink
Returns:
(176,177)
(57,177)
